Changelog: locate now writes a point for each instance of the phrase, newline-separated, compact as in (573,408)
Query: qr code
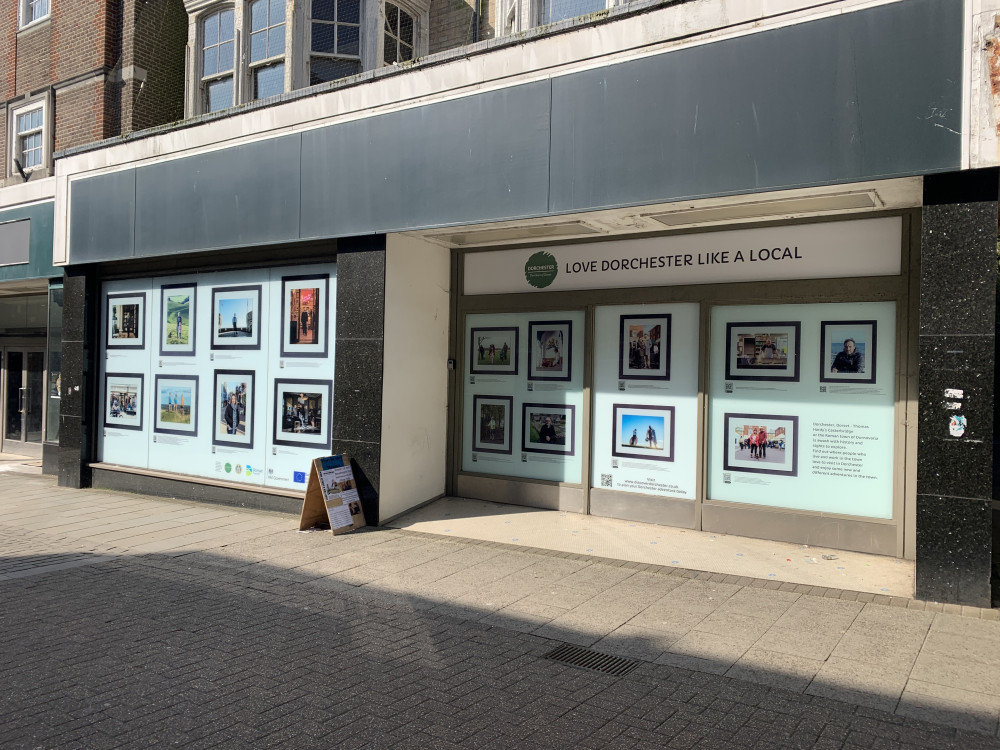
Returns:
(729,387)
(822,389)
(605,480)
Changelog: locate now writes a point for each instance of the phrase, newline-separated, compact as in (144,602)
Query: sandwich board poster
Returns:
(332,496)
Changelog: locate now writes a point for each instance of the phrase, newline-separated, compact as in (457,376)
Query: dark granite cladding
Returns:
(366,460)
(241,495)
(361,291)
(357,390)
(79,397)
(956,351)
(954,542)
(958,269)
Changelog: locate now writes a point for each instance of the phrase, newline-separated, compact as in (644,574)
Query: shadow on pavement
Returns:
(324,646)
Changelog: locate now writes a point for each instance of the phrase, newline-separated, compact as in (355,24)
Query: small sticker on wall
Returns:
(957,425)
(954,393)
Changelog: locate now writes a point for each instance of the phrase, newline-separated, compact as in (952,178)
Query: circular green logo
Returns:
(229,467)
(541,269)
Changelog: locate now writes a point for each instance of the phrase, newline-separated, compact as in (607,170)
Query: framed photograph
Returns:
(492,425)
(847,351)
(236,317)
(763,351)
(549,350)
(305,304)
(126,321)
(301,413)
(123,394)
(177,317)
(176,405)
(644,347)
(762,444)
(232,411)
(493,351)
(549,428)
(641,431)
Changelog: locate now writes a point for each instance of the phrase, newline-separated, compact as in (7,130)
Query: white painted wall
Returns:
(415,374)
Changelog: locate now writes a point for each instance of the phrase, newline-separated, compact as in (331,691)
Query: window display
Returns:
(255,385)
(644,347)
(814,430)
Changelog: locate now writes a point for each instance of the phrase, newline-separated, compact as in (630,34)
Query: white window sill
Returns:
(38,22)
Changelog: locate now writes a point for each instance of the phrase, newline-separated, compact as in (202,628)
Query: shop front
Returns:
(752,381)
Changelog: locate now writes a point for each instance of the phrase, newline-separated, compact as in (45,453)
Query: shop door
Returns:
(23,376)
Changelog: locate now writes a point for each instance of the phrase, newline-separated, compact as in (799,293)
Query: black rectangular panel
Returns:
(862,95)
(234,197)
(479,157)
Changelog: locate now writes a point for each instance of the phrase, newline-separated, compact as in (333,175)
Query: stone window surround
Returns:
(38,101)
(22,12)
(297,43)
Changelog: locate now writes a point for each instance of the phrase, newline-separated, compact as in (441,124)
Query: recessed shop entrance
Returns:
(22,385)
(775,409)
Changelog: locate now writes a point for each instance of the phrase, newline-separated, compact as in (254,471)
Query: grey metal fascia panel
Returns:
(40,217)
(102,217)
(471,159)
(861,95)
(15,242)
(234,197)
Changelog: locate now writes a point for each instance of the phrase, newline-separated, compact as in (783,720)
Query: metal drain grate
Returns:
(592,660)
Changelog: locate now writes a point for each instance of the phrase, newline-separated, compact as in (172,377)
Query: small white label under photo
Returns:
(957,425)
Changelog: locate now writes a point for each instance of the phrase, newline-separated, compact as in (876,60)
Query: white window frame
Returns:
(15,152)
(201,78)
(374,40)
(22,13)
(284,58)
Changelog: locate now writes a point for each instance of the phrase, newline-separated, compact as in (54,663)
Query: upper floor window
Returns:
(551,11)
(335,34)
(398,35)
(33,10)
(217,60)
(30,133)
(267,47)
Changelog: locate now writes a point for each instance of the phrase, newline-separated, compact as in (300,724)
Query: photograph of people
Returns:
(548,429)
(849,359)
(302,412)
(752,443)
(233,408)
(550,349)
(642,432)
(235,318)
(493,350)
(177,318)
(492,424)
(303,314)
(644,347)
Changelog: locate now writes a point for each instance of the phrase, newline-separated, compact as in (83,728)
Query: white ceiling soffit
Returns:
(858,198)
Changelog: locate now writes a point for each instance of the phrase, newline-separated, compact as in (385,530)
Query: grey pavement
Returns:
(130,621)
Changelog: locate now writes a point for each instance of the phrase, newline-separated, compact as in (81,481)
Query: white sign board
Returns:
(864,247)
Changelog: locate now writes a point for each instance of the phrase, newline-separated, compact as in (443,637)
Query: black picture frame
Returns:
(479,444)
(255,324)
(827,338)
(318,349)
(753,368)
(138,324)
(192,405)
(178,350)
(569,440)
(625,352)
(325,435)
(641,412)
(498,332)
(250,415)
(538,370)
(139,380)
(731,452)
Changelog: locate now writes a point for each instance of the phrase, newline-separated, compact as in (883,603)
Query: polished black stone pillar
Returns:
(357,385)
(958,276)
(79,384)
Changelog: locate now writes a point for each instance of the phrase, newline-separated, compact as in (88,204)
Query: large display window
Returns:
(523,395)
(645,424)
(802,402)
(224,375)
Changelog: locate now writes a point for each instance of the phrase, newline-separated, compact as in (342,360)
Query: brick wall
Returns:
(80,114)
(153,38)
